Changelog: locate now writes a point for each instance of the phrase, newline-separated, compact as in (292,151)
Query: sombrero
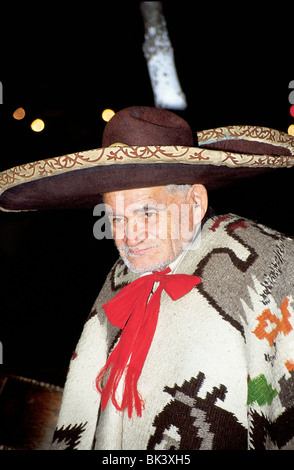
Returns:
(144,147)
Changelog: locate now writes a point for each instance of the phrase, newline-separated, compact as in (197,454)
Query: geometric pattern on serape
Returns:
(276,435)
(236,256)
(230,253)
(191,422)
(270,325)
(68,438)
(260,391)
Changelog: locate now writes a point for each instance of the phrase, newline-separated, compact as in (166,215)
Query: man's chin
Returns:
(140,266)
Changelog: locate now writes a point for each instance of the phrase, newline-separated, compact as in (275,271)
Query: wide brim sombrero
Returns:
(222,157)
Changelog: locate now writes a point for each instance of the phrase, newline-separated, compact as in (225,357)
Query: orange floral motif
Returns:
(290,365)
(270,325)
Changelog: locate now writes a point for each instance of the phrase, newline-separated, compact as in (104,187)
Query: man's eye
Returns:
(149,214)
(116,220)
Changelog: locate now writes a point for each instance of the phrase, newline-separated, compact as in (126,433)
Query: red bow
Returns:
(131,311)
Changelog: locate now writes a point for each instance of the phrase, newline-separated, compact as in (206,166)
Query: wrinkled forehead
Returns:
(137,197)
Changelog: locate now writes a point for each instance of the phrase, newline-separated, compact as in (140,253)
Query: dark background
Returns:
(65,64)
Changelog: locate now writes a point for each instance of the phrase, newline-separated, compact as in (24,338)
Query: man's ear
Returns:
(198,196)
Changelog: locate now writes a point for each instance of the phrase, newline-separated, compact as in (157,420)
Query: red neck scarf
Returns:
(131,311)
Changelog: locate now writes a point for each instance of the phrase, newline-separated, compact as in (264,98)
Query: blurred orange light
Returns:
(37,125)
(19,114)
(291,129)
(107,114)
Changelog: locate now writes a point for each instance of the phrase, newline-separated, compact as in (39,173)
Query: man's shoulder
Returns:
(243,263)
(241,228)
(240,249)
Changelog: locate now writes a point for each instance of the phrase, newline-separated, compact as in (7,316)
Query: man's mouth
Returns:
(139,251)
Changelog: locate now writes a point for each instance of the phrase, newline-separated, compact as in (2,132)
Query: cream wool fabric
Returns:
(220,370)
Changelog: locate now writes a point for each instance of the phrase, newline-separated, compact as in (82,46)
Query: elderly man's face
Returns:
(151,226)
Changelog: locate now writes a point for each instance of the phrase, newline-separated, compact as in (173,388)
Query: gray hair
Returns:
(174,188)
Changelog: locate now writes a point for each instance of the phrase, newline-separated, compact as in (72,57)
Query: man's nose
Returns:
(134,233)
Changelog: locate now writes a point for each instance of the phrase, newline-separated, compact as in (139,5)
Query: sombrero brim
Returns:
(223,157)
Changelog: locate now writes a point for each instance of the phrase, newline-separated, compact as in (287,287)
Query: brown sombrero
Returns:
(143,147)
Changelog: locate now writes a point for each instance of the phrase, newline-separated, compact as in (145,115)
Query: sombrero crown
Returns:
(144,126)
(144,147)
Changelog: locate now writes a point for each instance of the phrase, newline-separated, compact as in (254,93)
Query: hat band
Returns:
(118,144)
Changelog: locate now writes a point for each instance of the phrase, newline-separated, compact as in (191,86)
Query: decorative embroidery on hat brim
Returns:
(139,155)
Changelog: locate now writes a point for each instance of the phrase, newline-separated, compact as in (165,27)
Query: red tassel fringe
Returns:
(131,397)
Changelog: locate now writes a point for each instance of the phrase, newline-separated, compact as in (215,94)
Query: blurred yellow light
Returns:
(291,129)
(19,114)
(107,114)
(37,125)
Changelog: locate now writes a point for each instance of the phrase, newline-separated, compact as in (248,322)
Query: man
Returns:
(190,344)
(147,233)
